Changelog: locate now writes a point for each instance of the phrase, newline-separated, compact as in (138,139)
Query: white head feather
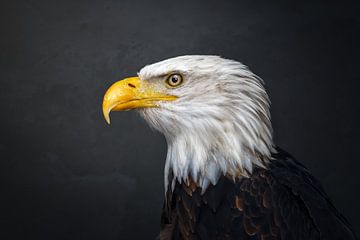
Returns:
(220,125)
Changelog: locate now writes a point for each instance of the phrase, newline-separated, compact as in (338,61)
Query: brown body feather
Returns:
(282,201)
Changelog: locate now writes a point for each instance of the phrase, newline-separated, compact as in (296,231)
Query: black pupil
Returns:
(174,79)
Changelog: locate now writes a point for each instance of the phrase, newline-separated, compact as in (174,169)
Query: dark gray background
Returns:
(65,174)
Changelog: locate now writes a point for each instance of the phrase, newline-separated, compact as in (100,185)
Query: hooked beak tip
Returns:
(106,113)
(107,119)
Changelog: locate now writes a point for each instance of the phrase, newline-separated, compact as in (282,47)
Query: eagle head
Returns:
(213,112)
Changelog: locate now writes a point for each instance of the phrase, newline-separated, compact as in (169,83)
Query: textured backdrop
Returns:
(65,174)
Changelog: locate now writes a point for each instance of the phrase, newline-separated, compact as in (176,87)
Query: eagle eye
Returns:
(174,80)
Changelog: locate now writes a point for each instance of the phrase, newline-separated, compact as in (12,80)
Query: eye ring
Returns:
(174,80)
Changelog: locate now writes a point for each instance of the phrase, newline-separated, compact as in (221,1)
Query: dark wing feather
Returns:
(281,202)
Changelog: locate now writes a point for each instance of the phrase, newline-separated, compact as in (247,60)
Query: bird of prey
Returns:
(224,177)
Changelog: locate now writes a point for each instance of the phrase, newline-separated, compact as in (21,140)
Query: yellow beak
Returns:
(131,93)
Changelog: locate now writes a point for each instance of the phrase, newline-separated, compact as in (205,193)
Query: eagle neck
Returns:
(205,160)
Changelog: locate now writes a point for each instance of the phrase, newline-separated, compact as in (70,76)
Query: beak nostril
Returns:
(131,85)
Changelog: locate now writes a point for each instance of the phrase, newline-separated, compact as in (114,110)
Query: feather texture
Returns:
(283,201)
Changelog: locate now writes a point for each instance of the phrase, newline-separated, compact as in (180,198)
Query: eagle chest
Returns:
(238,209)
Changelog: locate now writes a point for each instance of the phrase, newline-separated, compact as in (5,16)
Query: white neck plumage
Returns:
(205,153)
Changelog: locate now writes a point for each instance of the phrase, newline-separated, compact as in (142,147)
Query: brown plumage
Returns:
(283,201)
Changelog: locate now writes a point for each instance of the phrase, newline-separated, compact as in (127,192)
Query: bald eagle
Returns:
(224,176)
